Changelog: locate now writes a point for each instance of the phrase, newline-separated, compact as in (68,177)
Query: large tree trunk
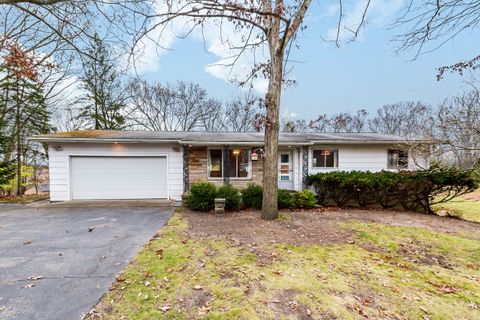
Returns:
(272,104)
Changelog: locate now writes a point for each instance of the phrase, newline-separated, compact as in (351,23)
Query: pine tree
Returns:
(23,105)
(104,98)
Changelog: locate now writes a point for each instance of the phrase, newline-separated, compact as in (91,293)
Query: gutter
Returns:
(240,143)
(217,143)
(92,140)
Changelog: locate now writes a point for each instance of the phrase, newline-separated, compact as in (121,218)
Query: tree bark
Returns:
(272,126)
(19,145)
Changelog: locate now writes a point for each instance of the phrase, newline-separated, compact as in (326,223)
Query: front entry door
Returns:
(285,170)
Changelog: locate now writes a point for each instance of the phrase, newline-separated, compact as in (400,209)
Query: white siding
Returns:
(59,162)
(356,157)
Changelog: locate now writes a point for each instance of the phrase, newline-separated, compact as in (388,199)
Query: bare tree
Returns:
(69,119)
(241,112)
(212,117)
(262,24)
(407,119)
(459,127)
(340,122)
(179,107)
(298,125)
(432,23)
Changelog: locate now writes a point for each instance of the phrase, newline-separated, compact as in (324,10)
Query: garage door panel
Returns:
(119,177)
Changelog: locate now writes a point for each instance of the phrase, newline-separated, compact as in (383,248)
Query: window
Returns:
(216,164)
(325,158)
(397,159)
(238,167)
(239,163)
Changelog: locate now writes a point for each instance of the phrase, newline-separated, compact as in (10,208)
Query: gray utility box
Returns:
(219,206)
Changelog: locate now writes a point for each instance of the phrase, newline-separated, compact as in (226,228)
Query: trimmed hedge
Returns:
(287,199)
(202,196)
(231,195)
(417,190)
(252,196)
(305,199)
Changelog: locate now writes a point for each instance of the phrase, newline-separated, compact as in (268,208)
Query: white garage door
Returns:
(119,177)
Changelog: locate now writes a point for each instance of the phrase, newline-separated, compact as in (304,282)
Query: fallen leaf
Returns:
(34,277)
(423,309)
(447,289)
(294,305)
(204,309)
(146,283)
(166,307)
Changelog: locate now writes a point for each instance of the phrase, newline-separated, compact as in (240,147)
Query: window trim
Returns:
(320,148)
(250,165)
(209,164)
(397,166)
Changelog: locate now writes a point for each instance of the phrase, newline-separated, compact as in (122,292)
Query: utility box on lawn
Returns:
(220,206)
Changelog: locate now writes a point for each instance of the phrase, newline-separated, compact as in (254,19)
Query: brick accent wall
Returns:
(198,165)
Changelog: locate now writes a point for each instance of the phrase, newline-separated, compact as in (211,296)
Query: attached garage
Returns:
(107,178)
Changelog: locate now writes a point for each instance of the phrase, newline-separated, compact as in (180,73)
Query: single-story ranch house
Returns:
(161,165)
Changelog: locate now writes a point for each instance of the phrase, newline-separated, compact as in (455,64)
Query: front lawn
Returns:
(342,264)
(466,207)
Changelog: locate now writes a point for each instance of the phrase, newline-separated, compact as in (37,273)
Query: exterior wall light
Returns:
(255,155)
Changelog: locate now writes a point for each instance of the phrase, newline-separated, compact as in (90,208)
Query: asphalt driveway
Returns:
(74,252)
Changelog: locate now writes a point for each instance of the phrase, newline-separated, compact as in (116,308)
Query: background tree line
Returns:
(453,125)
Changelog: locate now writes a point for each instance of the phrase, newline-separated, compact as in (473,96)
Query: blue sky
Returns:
(364,74)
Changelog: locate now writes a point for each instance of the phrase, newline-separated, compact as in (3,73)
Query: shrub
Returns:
(231,195)
(305,199)
(252,196)
(286,199)
(202,196)
(412,190)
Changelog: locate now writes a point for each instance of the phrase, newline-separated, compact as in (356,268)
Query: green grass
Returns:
(461,208)
(389,273)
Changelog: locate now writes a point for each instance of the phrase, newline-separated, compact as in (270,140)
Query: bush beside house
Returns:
(416,191)
(202,197)
(231,196)
(252,196)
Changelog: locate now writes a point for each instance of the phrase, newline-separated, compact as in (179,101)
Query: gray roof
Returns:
(217,138)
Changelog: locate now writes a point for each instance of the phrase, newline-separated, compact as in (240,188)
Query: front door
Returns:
(285,170)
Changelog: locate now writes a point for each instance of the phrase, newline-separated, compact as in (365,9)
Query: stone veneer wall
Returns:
(198,164)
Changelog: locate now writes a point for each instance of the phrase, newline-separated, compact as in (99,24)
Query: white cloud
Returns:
(224,43)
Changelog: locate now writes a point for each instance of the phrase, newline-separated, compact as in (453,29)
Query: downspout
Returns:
(186,171)
(226,164)
(305,167)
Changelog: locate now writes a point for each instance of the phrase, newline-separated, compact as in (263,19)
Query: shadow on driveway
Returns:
(77,266)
